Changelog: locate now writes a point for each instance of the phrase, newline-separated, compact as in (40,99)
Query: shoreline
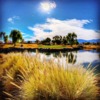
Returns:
(7,50)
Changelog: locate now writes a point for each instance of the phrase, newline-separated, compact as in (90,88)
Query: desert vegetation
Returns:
(27,77)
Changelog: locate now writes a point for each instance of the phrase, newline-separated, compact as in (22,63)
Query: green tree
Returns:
(16,36)
(2,34)
(57,39)
(71,38)
(64,41)
(46,41)
(74,38)
(37,41)
(6,38)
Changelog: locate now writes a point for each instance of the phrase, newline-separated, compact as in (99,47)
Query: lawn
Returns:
(52,46)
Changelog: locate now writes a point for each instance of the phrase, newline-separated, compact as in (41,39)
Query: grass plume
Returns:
(29,78)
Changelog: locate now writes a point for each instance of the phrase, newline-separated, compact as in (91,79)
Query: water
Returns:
(75,57)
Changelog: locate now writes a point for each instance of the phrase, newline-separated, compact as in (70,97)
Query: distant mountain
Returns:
(92,41)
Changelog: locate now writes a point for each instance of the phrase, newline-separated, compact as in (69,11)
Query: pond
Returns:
(75,57)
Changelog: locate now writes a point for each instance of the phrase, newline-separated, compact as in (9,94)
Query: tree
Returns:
(71,38)
(57,39)
(64,40)
(2,34)
(46,41)
(74,38)
(6,38)
(16,36)
(37,41)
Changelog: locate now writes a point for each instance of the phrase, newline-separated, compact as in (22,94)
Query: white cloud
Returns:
(12,19)
(63,27)
(47,6)
(26,36)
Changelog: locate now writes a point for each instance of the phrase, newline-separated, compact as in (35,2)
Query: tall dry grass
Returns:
(26,77)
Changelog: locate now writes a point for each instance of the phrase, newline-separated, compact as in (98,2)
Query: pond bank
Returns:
(47,49)
(7,50)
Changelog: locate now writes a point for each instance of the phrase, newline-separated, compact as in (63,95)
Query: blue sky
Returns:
(38,19)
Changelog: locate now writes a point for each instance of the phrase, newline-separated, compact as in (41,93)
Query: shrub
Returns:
(28,78)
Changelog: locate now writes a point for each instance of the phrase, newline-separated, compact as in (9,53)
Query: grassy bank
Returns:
(52,46)
(26,77)
(18,45)
(33,45)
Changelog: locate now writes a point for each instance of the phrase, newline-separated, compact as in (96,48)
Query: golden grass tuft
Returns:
(34,79)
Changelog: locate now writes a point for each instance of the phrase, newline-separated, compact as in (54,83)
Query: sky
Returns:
(38,19)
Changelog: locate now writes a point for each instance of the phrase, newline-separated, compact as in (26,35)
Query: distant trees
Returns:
(29,42)
(64,40)
(70,39)
(57,39)
(46,41)
(2,34)
(16,36)
(37,41)
(6,38)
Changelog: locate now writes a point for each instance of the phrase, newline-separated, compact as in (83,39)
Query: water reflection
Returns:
(75,57)
(72,57)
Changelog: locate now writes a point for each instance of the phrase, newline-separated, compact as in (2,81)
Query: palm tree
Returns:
(16,36)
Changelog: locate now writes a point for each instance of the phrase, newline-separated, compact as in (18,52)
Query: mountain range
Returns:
(91,41)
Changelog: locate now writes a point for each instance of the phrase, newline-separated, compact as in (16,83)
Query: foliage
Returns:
(6,38)
(16,36)
(46,41)
(29,42)
(64,40)
(71,39)
(2,34)
(26,77)
(37,41)
(57,39)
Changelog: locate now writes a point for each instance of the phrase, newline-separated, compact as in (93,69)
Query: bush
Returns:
(28,78)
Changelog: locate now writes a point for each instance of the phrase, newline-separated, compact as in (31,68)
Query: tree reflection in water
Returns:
(70,56)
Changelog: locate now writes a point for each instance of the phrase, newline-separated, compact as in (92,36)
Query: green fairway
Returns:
(52,46)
